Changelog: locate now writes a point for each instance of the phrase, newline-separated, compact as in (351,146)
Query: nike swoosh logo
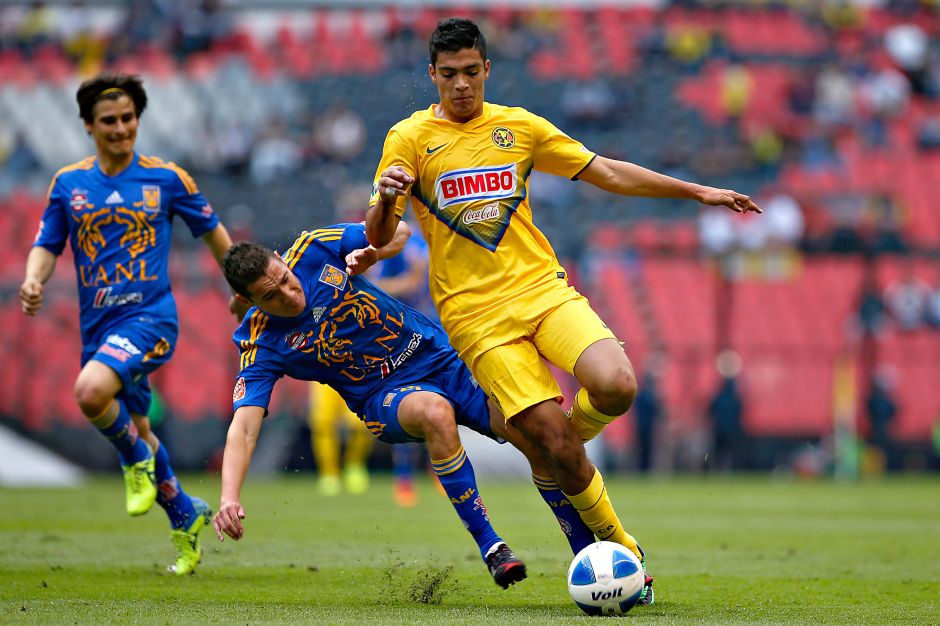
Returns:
(433,150)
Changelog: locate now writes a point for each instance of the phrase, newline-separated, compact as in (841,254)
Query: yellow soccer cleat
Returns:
(186,541)
(140,486)
(329,485)
(356,479)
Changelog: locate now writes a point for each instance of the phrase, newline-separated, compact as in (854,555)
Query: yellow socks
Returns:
(588,421)
(595,509)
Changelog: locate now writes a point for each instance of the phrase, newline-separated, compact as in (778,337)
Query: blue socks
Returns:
(116,424)
(460,484)
(177,504)
(577,533)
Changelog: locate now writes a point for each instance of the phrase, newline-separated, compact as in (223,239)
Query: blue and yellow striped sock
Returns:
(116,424)
(170,495)
(460,484)
(577,533)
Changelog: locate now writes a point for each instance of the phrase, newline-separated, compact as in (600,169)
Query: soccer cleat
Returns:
(140,486)
(646,596)
(356,479)
(329,485)
(188,552)
(505,567)
(405,494)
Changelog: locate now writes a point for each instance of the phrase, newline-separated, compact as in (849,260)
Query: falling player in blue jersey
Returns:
(317,318)
(116,210)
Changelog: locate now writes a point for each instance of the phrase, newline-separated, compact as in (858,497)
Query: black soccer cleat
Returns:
(505,567)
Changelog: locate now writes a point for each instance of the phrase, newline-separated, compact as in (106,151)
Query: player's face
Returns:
(114,128)
(278,292)
(459,77)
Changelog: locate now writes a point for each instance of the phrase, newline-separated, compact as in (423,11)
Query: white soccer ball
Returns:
(605,578)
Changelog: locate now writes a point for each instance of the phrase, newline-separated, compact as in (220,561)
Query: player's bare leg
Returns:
(608,387)
(547,428)
(95,391)
(431,417)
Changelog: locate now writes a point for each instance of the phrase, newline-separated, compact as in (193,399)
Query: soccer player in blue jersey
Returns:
(316,318)
(116,210)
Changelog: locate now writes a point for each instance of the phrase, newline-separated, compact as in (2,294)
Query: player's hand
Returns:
(358,261)
(238,308)
(393,182)
(229,520)
(31,296)
(735,201)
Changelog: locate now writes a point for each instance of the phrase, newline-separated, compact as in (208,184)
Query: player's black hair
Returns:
(110,86)
(454,34)
(244,263)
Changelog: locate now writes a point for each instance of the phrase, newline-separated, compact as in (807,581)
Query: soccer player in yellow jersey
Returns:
(502,295)
(327,416)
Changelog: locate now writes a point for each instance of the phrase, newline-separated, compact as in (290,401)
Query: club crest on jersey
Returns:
(239,392)
(151,195)
(484,183)
(79,199)
(503,137)
(333,277)
(297,340)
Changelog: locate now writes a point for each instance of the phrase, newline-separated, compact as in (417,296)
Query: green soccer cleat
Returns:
(188,552)
(140,486)
(329,485)
(646,596)
(356,479)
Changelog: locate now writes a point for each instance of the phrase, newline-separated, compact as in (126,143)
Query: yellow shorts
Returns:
(514,373)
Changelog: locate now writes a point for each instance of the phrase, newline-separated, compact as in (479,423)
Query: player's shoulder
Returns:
(252,328)
(166,171)
(309,241)
(78,167)
(416,121)
(501,111)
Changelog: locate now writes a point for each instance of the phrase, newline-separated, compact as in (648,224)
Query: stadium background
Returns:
(827,112)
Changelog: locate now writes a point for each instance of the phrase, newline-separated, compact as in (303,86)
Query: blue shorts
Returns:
(453,382)
(133,349)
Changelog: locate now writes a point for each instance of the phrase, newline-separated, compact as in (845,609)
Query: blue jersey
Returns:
(351,335)
(120,228)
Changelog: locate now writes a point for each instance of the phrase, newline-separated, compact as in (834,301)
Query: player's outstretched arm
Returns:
(39,267)
(381,220)
(359,261)
(239,446)
(628,179)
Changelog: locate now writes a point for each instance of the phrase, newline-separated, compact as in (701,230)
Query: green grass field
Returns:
(723,550)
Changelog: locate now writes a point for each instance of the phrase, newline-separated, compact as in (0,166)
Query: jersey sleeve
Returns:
(189,203)
(555,152)
(354,238)
(258,372)
(54,226)
(396,151)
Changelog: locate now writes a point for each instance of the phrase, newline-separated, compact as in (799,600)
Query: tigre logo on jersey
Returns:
(333,277)
(503,137)
(484,183)
(151,195)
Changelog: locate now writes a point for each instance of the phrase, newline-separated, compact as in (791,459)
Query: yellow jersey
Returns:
(470,195)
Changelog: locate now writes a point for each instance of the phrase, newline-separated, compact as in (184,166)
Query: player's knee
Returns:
(437,418)
(615,392)
(92,399)
(550,432)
